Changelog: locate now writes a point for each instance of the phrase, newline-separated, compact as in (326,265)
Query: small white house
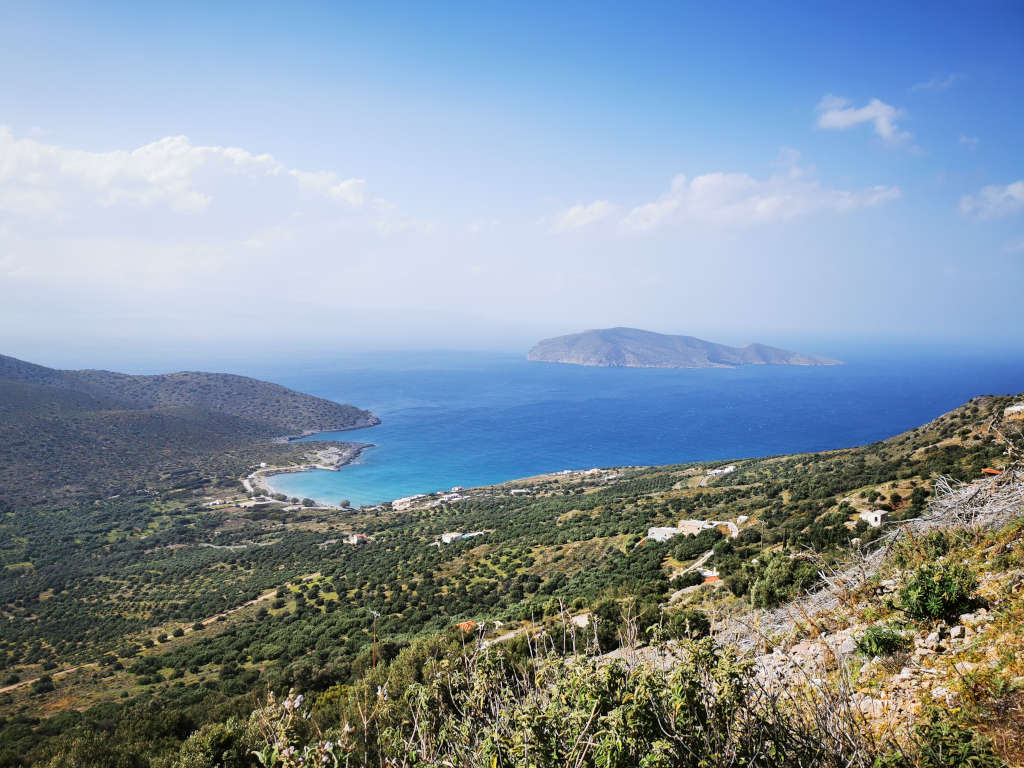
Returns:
(722,470)
(875,517)
(662,533)
(1015,411)
(448,538)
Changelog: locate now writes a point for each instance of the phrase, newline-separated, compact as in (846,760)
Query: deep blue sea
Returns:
(474,419)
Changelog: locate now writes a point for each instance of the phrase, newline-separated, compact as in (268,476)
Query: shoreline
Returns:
(374,421)
(332,459)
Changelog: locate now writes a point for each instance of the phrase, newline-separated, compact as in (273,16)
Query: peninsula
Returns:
(635,348)
(64,433)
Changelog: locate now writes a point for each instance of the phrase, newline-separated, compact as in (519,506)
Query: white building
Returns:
(662,534)
(693,527)
(406,502)
(875,517)
(722,470)
(448,538)
(1015,411)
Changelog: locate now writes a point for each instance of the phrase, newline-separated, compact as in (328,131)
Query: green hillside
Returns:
(133,622)
(67,433)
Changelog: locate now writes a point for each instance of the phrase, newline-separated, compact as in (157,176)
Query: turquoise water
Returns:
(479,419)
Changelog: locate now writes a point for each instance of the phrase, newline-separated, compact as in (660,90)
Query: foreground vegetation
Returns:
(148,629)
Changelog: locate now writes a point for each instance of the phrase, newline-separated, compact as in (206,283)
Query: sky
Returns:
(279,178)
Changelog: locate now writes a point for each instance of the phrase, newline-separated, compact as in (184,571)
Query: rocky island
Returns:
(635,348)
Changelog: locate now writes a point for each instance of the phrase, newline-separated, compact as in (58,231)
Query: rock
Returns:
(957,632)
(848,647)
(872,707)
(932,641)
(963,667)
(940,692)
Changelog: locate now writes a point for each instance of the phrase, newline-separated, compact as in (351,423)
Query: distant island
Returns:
(635,348)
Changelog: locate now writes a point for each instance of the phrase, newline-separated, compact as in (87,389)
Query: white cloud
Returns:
(971,142)
(939,83)
(327,183)
(734,199)
(994,201)
(1017,246)
(38,178)
(581,215)
(835,113)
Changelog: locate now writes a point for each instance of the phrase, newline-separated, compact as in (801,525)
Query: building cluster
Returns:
(406,502)
(452,536)
(721,471)
(1014,412)
(692,528)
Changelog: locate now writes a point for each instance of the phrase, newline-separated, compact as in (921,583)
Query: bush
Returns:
(688,579)
(880,641)
(689,623)
(936,591)
(941,743)
(42,685)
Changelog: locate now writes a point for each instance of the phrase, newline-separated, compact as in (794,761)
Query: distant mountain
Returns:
(64,433)
(634,348)
(271,408)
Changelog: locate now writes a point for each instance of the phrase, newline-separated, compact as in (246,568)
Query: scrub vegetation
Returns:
(151,629)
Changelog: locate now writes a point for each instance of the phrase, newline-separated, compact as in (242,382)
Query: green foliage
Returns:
(782,579)
(880,641)
(689,623)
(217,745)
(939,742)
(590,713)
(690,578)
(935,591)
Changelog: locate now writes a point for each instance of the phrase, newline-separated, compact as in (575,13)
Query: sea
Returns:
(469,419)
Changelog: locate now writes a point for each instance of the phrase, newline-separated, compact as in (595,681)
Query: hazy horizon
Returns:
(321,177)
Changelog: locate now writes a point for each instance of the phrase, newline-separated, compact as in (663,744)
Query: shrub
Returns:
(43,684)
(936,591)
(689,623)
(940,743)
(688,579)
(880,641)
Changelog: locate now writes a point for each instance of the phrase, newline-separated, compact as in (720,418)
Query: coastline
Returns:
(331,458)
(373,421)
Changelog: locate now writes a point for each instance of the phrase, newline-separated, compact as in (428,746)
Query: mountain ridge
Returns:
(68,433)
(622,347)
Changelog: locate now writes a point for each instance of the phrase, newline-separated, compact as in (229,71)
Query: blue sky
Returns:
(457,175)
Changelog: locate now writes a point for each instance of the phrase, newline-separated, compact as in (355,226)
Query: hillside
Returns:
(64,433)
(634,348)
(278,410)
(142,629)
